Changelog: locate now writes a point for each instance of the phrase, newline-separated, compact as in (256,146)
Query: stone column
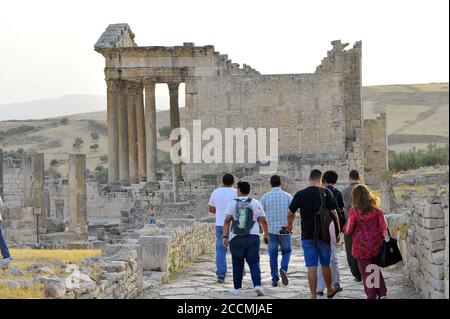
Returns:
(113,95)
(124,176)
(77,196)
(150,129)
(175,120)
(140,126)
(132,134)
(33,179)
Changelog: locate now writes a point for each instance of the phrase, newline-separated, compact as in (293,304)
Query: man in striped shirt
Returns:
(276,204)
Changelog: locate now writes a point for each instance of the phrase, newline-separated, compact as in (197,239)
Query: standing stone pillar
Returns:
(150,129)
(175,120)
(113,97)
(1,173)
(33,179)
(77,196)
(34,195)
(124,176)
(140,127)
(132,134)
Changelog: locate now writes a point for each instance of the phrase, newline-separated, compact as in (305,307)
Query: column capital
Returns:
(173,86)
(149,83)
(115,85)
(131,87)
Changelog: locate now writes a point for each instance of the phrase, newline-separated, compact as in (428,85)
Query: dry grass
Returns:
(25,257)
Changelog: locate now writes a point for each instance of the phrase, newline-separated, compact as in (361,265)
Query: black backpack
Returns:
(322,221)
(243,217)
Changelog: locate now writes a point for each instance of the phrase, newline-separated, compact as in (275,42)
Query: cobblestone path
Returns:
(198,281)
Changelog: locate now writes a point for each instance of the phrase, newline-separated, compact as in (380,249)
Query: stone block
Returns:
(155,252)
(433,211)
(432,235)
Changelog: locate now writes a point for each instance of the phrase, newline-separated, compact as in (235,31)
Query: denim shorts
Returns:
(315,252)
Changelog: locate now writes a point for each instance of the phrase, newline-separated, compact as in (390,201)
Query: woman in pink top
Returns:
(368,226)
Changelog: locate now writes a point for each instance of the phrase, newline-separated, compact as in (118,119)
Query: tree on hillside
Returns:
(64,121)
(54,162)
(95,136)
(77,143)
(94,147)
(102,174)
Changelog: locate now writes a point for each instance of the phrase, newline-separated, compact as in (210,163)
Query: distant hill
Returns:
(46,108)
(417,115)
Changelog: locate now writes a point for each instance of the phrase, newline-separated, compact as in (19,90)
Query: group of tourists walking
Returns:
(325,214)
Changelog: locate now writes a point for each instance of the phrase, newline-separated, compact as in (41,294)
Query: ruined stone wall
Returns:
(424,242)
(375,150)
(13,183)
(317,115)
(170,248)
(19,225)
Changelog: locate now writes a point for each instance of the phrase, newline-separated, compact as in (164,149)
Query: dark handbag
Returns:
(389,254)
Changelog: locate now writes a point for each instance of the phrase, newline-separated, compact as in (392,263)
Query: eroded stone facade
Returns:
(318,115)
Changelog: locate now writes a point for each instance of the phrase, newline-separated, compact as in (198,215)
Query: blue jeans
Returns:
(284,241)
(245,248)
(315,252)
(3,246)
(221,254)
(335,278)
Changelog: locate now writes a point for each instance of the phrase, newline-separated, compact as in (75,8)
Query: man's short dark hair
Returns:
(228,179)
(354,175)
(316,174)
(244,188)
(330,177)
(275,181)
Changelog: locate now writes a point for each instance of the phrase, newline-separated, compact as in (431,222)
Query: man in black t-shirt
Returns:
(308,201)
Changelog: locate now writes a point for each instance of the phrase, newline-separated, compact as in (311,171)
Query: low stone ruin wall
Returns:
(170,248)
(19,224)
(119,273)
(423,238)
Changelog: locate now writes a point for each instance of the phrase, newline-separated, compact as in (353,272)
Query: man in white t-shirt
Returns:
(3,246)
(218,204)
(245,216)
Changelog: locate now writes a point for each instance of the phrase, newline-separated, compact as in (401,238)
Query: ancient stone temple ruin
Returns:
(318,115)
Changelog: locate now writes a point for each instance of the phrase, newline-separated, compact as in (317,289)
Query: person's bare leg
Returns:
(312,279)
(327,276)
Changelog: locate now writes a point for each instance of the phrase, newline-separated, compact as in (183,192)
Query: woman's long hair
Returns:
(364,199)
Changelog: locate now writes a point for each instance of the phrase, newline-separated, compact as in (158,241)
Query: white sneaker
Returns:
(4,263)
(259,291)
(234,291)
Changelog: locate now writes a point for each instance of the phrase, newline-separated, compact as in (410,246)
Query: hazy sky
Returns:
(47,51)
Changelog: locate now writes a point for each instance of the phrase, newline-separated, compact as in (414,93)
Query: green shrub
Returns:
(16,131)
(94,147)
(95,136)
(104,158)
(18,154)
(415,158)
(165,131)
(77,143)
(54,162)
(97,127)
(102,174)
(64,121)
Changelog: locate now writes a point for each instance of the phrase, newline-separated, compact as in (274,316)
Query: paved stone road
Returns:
(198,281)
